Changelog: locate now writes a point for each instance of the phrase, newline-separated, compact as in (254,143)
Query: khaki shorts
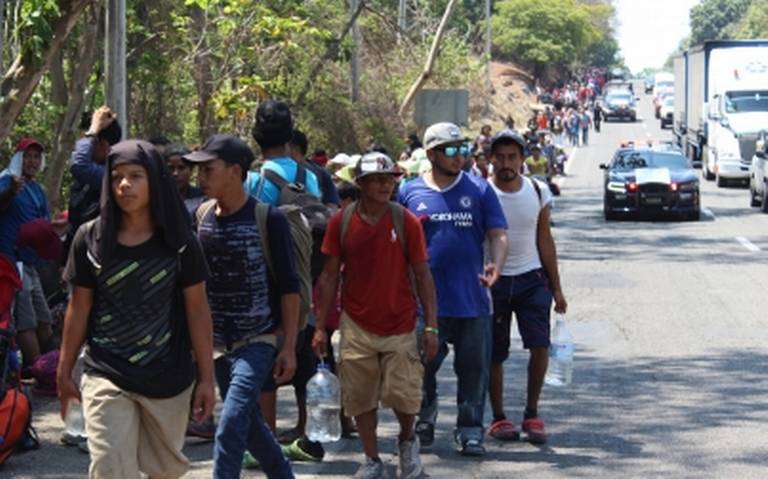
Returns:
(376,368)
(128,432)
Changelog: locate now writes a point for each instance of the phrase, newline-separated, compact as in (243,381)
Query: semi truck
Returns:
(721,105)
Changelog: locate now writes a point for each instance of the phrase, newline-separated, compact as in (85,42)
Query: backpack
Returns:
(15,409)
(311,207)
(301,240)
(398,220)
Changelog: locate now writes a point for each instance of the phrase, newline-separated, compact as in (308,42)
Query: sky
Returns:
(649,30)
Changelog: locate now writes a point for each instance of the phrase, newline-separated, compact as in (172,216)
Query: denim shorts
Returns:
(527,296)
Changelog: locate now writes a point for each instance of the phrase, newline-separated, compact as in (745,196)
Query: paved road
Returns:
(670,376)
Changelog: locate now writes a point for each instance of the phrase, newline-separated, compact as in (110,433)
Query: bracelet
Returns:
(430,329)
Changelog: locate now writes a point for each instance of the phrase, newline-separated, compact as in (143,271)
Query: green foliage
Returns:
(544,33)
(754,23)
(716,19)
(34,27)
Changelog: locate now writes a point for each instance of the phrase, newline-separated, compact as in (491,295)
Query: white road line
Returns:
(569,163)
(750,246)
(708,212)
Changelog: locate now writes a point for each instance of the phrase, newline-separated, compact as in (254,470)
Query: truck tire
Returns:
(708,175)
(694,215)
(721,182)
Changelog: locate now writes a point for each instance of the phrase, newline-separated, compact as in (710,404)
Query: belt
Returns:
(221,350)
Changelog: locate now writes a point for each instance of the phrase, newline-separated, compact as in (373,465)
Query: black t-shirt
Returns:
(327,186)
(137,335)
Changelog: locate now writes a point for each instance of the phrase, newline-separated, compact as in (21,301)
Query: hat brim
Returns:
(200,157)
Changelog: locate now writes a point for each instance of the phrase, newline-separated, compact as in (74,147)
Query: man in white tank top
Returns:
(528,284)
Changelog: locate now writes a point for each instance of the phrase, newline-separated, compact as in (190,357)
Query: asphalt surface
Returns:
(670,373)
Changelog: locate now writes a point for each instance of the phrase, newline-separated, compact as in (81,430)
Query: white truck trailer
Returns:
(721,105)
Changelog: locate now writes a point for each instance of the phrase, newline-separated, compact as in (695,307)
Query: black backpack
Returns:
(312,208)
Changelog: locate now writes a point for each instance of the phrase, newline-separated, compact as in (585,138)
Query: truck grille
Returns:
(747,148)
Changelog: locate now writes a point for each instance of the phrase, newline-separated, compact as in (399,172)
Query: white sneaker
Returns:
(410,462)
(370,470)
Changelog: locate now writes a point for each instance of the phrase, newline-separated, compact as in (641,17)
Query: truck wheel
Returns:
(708,175)
(694,216)
(721,182)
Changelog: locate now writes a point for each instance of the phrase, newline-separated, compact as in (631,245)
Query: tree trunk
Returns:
(24,75)
(422,79)
(68,122)
(203,78)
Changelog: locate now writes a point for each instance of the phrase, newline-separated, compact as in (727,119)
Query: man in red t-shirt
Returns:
(380,244)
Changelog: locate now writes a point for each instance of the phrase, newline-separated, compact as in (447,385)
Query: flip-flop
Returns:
(534,429)
(503,430)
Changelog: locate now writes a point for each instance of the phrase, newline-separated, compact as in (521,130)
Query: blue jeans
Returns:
(241,376)
(471,338)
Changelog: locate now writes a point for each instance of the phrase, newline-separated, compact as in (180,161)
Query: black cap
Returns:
(223,147)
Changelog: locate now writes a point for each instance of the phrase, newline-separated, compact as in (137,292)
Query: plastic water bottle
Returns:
(323,406)
(560,355)
(74,422)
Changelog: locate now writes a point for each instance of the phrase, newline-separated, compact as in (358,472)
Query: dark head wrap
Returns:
(169,215)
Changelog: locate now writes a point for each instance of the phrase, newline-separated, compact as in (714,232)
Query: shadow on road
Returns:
(620,418)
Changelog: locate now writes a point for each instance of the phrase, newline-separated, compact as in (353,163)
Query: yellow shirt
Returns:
(537,167)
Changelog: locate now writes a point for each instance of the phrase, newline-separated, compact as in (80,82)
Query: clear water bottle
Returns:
(560,355)
(74,421)
(323,406)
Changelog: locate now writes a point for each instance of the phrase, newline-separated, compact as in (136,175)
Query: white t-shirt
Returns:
(522,209)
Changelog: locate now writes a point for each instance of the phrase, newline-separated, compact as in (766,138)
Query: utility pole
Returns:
(114,60)
(354,63)
(488,44)
(402,22)
(2,34)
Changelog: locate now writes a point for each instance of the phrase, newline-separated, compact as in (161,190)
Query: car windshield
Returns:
(631,159)
(665,84)
(746,101)
(669,101)
(619,97)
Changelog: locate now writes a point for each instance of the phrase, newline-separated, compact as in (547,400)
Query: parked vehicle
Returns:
(721,105)
(758,174)
(666,111)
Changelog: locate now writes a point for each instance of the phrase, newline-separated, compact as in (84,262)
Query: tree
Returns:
(754,24)
(716,19)
(542,33)
(45,28)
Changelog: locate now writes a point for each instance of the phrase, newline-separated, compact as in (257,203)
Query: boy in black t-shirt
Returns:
(138,300)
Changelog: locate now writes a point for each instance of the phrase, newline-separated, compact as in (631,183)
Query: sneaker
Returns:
(203,430)
(426,433)
(303,449)
(410,462)
(472,447)
(534,428)
(370,470)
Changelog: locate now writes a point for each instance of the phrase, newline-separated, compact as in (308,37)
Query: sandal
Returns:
(503,430)
(534,429)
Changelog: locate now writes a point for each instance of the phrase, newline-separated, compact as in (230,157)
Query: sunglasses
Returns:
(451,151)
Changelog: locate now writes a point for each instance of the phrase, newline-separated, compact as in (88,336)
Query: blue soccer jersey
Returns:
(456,220)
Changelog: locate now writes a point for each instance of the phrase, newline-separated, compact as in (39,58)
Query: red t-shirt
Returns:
(376,290)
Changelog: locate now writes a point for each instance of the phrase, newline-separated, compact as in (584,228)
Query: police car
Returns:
(650,180)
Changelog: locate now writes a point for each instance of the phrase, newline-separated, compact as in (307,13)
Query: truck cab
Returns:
(735,115)
(734,122)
